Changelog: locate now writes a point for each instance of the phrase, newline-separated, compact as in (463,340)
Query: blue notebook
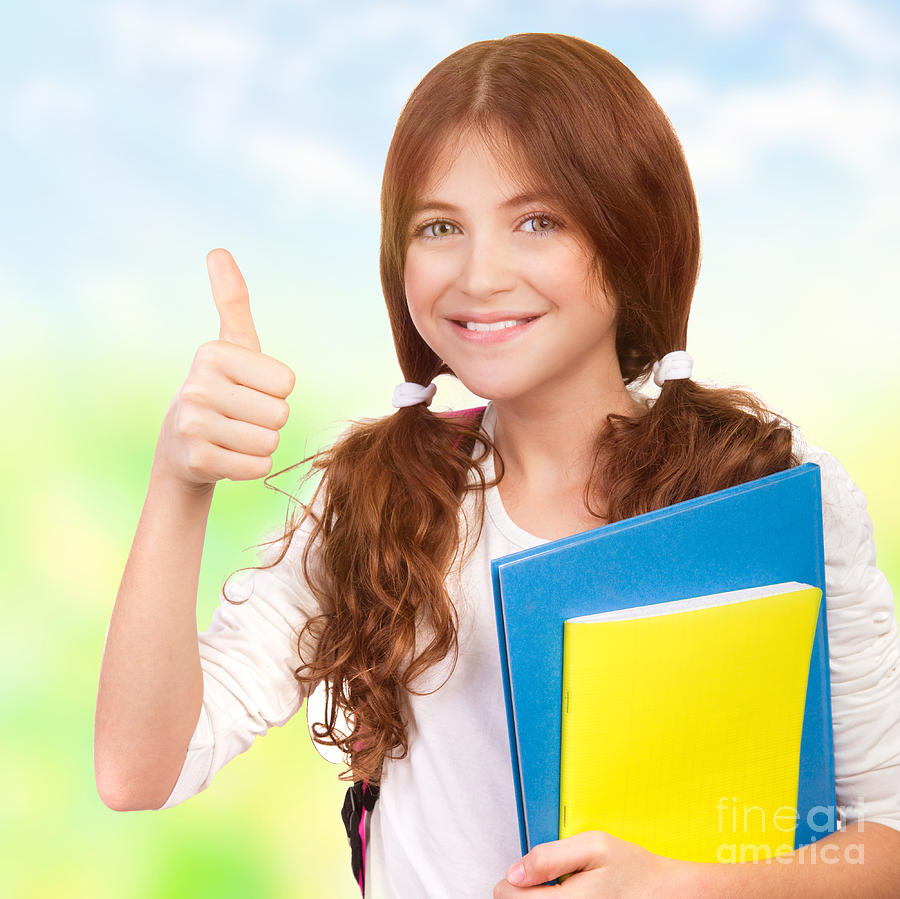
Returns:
(766,531)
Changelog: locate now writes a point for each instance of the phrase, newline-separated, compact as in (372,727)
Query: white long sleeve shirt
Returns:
(445,824)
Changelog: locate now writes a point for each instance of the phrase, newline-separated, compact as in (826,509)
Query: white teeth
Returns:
(494,326)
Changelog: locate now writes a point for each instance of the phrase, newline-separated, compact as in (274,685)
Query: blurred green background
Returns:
(135,138)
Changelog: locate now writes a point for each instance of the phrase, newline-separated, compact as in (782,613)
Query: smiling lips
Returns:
(481,330)
(494,326)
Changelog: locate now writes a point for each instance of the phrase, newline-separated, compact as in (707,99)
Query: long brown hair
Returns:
(584,131)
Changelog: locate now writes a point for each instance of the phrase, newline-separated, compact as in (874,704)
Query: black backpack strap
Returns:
(358,804)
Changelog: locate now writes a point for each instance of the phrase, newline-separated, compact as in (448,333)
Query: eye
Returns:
(545,223)
(442,224)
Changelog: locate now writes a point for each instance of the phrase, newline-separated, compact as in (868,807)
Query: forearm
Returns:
(151,684)
(863,860)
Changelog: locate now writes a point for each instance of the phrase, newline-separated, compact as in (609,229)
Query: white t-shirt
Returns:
(445,823)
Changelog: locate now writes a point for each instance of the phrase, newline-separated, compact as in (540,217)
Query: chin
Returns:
(493,390)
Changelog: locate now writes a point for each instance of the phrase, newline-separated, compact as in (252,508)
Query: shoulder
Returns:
(838,480)
(858,594)
(847,526)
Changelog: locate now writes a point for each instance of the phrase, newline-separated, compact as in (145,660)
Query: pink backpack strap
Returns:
(466,414)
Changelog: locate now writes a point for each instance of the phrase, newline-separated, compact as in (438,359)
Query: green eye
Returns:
(546,219)
(442,224)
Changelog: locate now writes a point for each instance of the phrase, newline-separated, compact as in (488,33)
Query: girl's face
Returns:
(496,284)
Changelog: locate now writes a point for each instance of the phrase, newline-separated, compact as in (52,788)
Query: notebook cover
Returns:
(681,729)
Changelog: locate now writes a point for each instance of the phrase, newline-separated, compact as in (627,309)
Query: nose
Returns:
(486,267)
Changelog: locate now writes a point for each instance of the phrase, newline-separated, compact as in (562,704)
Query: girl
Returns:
(540,242)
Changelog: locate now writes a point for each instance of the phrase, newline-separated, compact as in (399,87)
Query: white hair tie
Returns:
(408,394)
(672,367)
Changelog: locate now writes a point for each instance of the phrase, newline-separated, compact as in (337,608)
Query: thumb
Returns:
(232,300)
(556,859)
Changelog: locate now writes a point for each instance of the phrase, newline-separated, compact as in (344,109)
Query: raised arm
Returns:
(222,423)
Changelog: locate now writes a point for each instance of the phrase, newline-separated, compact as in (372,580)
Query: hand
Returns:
(600,865)
(224,420)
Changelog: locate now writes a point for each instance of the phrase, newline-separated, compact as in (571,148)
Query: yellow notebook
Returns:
(681,722)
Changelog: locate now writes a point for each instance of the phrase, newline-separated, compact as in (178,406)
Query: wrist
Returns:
(162,475)
(689,880)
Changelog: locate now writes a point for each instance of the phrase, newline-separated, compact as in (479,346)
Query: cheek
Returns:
(410,282)
(421,284)
(415,288)
(573,282)
(559,272)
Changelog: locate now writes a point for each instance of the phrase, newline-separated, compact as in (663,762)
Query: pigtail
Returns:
(691,441)
(386,536)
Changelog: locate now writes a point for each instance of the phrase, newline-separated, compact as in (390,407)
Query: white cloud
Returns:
(45,105)
(430,25)
(219,63)
(146,37)
(209,63)
(423,28)
(867,30)
(676,88)
(726,133)
(716,15)
(214,107)
(301,167)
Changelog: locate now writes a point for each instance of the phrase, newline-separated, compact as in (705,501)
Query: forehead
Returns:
(475,154)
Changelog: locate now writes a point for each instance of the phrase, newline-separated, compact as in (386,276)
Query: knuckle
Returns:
(197,461)
(208,353)
(536,859)
(284,411)
(189,417)
(193,393)
(188,423)
(280,378)
(190,410)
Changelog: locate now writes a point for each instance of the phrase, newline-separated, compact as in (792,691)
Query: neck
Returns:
(553,445)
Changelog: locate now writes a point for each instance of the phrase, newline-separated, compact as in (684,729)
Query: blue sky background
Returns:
(137,136)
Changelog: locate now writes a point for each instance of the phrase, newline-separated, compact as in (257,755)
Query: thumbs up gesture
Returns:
(224,420)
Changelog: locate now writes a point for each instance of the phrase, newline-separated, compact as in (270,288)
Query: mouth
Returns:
(493,332)
(494,326)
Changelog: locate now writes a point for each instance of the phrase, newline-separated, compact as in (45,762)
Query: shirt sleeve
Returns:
(864,650)
(248,655)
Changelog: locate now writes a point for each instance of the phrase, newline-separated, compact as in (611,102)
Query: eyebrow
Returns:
(517,200)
